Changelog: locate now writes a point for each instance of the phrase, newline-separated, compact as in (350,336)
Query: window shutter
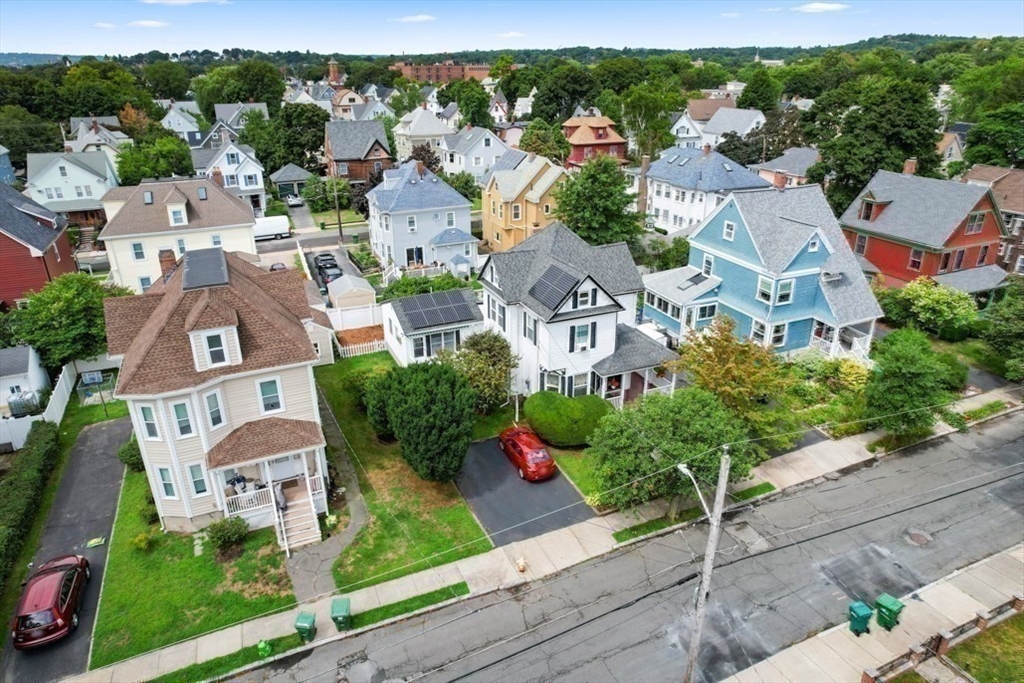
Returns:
(458,339)
(575,300)
(593,296)
(524,323)
(572,338)
(593,334)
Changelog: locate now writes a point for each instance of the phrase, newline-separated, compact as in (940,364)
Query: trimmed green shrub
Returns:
(20,490)
(131,456)
(360,379)
(143,542)
(227,532)
(149,514)
(565,422)
(955,333)
(954,372)
(375,398)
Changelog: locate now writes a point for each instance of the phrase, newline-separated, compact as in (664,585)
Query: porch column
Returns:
(833,347)
(219,484)
(871,334)
(647,381)
(672,387)
(321,453)
(309,489)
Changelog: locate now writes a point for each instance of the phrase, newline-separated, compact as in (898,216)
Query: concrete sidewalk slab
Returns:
(997,580)
(488,571)
(796,666)
(538,564)
(1008,566)
(268,627)
(834,666)
(848,649)
(779,473)
(363,600)
(595,536)
(766,671)
(564,550)
(218,644)
(952,602)
(395,591)
(176,657)
(969,583)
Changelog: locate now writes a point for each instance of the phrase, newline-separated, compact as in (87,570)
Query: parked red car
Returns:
(49,605)
(527,452)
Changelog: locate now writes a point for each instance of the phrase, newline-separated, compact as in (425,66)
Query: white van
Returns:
(272,228)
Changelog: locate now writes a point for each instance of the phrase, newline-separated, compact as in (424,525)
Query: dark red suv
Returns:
(49,605)
(527,452)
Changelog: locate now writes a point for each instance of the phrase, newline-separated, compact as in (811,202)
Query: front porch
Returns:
(635,369)
(849,341)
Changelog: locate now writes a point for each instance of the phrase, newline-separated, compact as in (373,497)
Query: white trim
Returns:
(174,459)
(778,291)
(193,230)
(771,289)
(220,406)
(205,336)
(315,394)
(728,231)
(177,421)
(769,336)
(714,212)
(704,266)
(163,483)
(280,394)
(143,422)
(192,481)
(213,382)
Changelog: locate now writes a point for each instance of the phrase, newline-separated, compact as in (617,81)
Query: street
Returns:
(786,569)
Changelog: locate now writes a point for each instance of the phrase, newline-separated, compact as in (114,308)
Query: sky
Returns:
(384,27)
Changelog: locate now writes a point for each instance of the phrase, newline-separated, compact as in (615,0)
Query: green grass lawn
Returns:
(975,352)
(754,491)
(157,597)
(579,466)
(330,218)
(397,609)
(76,416)
(650,526)
(409,518)
(909,677)
(489,426)
(986,410)
(996,655)
(477,202)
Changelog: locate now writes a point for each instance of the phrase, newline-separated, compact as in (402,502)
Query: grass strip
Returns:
(754,491)
(397,609)
(996,655)
(222,665)
(652,525)
(892,442)
(987,410)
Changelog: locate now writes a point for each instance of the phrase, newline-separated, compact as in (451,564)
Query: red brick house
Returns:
(34,247)
(590,136)
(355,149)
(908,226)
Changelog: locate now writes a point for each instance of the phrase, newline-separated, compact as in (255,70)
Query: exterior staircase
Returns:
(301,526)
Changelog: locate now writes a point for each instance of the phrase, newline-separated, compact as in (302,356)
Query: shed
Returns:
(350,291)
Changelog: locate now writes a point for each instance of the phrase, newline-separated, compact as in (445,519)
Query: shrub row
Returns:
(21,488)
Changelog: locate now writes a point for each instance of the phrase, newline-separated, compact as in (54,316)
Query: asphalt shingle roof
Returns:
(20,219)
(794,161)
(704,109)
(14,360)
(1007,185)
(690,168)
(680,285)
(431,300)
(974,280)
(634,350)
(201,157)
(919,210)
(346,283)
(734,120)
(353,139)
(463,141)
(422,122)
(232,114)
(96,163)
(290,173)
(451,236)
(404,189)
(506,162)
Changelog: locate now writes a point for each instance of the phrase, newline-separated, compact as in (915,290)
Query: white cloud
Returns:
(729,15)
(770,9)
(511,34)
(148,23)
(103,25)
(819,7)
(415,19)
(183,2)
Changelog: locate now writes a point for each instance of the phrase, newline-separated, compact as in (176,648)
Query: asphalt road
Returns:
(83,509)
(500,499)
(626,616)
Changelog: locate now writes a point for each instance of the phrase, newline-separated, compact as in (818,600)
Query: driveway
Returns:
(302,218)
(83,509)
(500,499)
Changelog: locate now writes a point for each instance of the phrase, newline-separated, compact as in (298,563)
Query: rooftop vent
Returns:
(727,167)
(828,276)
(147,197)
(202,193)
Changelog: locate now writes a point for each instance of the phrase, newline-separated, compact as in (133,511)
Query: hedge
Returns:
(565,422)
(20,490)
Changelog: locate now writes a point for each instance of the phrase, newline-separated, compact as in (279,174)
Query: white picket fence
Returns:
(355,317)
(353,350)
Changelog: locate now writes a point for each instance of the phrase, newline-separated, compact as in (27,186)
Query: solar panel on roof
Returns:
(417,319)
(553,286)
(204,268)
(438,308)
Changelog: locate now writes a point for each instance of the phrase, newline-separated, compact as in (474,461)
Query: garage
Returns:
(290,179)
(500,499)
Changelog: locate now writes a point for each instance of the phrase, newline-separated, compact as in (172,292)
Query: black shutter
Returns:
(593,334)
(572,338)
(575,300)
(593,296)
(524,323)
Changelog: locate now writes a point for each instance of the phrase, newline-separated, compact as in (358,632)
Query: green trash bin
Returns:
(305,625)
(889,609)
(860,618)
(323,225)
(341,614)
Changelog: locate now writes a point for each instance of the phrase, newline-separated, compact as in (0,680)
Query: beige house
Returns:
(217,369)
(518,198)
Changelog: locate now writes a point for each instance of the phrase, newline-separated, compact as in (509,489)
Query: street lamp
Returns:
(686,471)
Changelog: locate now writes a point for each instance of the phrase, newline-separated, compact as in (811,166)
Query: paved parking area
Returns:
(500,499)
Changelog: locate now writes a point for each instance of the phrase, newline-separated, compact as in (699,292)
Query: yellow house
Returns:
(517,198)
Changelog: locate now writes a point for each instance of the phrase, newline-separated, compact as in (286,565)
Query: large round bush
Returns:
(565,422)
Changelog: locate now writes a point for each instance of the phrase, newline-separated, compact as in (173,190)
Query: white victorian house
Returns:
(238,168)
(217,370)
(471,150)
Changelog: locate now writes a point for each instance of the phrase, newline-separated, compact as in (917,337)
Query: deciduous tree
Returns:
(906,384)
(428,156)
(1006,328)
(502,66)
(564,88)
(645,114)
(998,139)
(545,140)
(486,360)
(595,204)
(23,132)
(162,158)
(167,80)
(761,93)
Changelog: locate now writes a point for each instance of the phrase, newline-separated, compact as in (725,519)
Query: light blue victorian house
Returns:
(775,261)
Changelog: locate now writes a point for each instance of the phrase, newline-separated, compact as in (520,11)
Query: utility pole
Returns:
(709,565)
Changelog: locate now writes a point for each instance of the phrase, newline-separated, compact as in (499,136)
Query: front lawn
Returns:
(409,518)
(221,665)
(159,596)
(580,467)
(754,491)
(996,655)
(489,426)
(330,218)
(973,351)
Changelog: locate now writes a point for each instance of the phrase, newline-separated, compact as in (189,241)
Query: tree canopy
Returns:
(166,156)
(998,139)
(595,203)
(761,92)
(905,388)
(486,360)
(545,140)
(22,132)
(646,108)
(167,80)
(250,81)
(563,89)
(1006,328)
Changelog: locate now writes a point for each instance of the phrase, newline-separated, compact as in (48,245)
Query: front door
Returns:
(286,467)
(414,256)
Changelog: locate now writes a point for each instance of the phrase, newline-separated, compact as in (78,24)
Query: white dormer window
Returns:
(812,246)
(250,180)
(232,158)
(216,353)
(177,217)
(729,231)
(230,180)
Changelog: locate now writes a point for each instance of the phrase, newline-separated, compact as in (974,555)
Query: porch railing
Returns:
(821,344)
(616,401)
(247,502)
(316,485)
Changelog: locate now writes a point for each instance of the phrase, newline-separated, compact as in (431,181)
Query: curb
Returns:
(933,437)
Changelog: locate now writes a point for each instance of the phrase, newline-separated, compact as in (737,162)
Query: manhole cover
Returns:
(916,537)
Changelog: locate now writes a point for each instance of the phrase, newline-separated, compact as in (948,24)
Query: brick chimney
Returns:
(420,168)
(469,126)
(95,124)
(531,156)
(217,176)
(910,166)
(167,261)
(423,105)
(641,188)
(779,180)
(707,150)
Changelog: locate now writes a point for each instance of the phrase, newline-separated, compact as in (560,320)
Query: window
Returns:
(916,256)
(584,298)
(166,483)
(657,189)
(16,388)
(860,245)
(784,292)
(982,255)
(467,249)
(49,193)
(250,180)
(270,396)
(812,246)
(411,222)
(59,192)
(63,171)
(215,240)
(975,222)
(182,419)
(316,347)
(579,338)
(428,345)
(386,219)
(757,331)
(487,142)
(78,191)
(377,166)
(148,419)
(865,211)
(216,354)
(501,211)
(707,311)
(341,168)
(530,327)
(779,334)
(478,161)
(198,477)
(230,180)
(181,246)
(145,283)
(729,231)
(517,211)
(1019,268)
(201,193)
(214,414)
(547,209)
(579,386)
(177,216)
(88,190)
(232,158)
(675,311)
(661,304)
(450,219)
(764,289)
(138,253)
(958,260)
(494,209)
(709,264)
(551,381)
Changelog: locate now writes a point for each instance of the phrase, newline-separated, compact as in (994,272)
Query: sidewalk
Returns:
(498,569)
(838,655)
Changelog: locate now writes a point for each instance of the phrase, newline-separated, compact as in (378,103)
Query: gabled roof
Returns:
(919,210)
(507,161)
(105,121)
(151,330)
(422,122)
(498,98)
(589,111)
(189,107)
(681,285)
(364,112)
(183,113)
(202,157)
(945,141)
(220,208)
(346,283)
(703,110)
(461,303)
(451,110)
(290,173)
(404,189)
(232,114)
(1007,185)
(511,183)
(206,137)
(780,223)
(260,439)
(96,163)
(523,266)
(451,236)
(463,141)
(732,120)
(794,161)
(690,168)
(14,360)
(974,280)
(586,127)
(27,221)
(354,139)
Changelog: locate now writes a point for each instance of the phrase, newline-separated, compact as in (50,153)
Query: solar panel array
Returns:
(553,286)
(438,308)
(205,268)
